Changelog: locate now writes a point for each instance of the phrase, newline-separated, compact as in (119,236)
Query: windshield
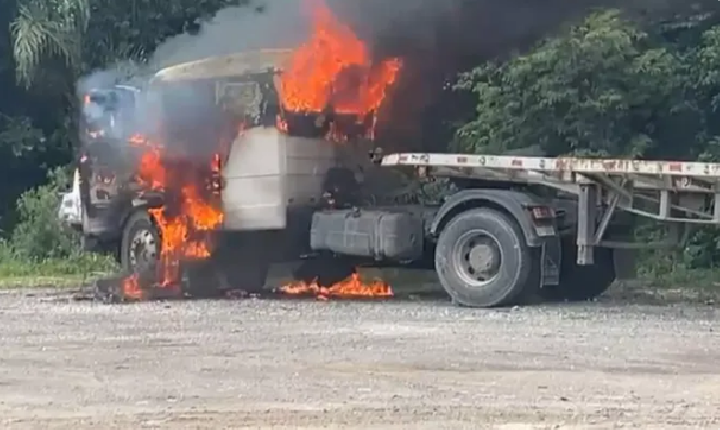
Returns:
(107,113)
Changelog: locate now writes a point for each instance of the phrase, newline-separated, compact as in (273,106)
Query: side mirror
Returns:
(376,156)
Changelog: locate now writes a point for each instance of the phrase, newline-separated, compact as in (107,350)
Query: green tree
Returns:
(602,88)
(48,31)
(613,87)
(87,34)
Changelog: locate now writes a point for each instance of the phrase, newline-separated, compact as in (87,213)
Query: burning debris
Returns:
(351,287)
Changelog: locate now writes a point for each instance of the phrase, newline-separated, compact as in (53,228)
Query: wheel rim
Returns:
(143,249)
(477,258)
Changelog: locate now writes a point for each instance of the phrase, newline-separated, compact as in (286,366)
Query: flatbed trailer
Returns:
(505,193)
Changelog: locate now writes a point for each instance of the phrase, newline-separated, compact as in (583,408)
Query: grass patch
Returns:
(66,281)
(680,285)
(16,272)
(694,279)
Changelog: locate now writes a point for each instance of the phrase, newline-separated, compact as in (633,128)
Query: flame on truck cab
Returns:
(224,107)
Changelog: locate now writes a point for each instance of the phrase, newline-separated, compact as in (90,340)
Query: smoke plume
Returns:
(435,39)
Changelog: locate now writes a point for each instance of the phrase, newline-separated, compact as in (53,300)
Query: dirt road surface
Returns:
(391,365)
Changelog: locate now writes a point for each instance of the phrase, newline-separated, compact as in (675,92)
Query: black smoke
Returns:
(436,39)
(439,39)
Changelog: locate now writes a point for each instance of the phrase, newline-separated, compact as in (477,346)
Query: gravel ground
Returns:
(380,365)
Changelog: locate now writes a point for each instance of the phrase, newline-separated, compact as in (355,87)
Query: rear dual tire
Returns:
(482,260)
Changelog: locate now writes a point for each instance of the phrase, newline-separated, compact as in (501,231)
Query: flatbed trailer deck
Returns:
(671,191)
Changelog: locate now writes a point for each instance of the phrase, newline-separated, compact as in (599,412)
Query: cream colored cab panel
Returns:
(266,172)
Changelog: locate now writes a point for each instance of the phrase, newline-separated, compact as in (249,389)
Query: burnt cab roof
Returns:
(227,66)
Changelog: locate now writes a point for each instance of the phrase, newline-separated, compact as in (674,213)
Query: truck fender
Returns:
(131,208)
(513,203)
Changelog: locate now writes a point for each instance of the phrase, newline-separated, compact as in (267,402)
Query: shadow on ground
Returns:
(423,285)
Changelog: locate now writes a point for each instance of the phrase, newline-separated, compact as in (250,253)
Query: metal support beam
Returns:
(607,216)
(587,208)
(665,205)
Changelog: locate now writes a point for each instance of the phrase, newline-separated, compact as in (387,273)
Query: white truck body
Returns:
(269,172)
(70,210)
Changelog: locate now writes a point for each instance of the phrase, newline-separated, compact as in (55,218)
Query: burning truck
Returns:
(222,187)
(201,176)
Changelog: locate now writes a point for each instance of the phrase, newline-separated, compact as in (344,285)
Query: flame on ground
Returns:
(334,69)
(131,288)
(184,231)
(351,287)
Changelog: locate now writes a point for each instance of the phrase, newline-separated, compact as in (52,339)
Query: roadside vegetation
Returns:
(608,85)
(40,250)
(613,87)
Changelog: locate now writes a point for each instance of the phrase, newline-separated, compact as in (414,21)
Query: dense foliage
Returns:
(609,86)
(606,87)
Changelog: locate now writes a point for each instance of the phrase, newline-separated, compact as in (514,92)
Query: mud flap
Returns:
(624,261)
(550,255)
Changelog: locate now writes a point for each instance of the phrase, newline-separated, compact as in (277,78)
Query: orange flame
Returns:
(351,287)
(183,235)
(334,69)
(131,288)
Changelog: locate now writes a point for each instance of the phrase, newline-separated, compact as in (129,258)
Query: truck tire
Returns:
(248,277)
(482,260)
(243,262)
(140,246)
(581,283)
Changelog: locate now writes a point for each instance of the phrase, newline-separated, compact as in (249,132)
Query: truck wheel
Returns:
(140,247)
(249,277)
(581,283)
(243,261)
(482,260)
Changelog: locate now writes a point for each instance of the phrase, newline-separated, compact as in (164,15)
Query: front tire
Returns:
(140,246)
(482,260)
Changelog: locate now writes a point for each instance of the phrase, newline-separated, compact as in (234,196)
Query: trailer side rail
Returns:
(672,191)
(558,165)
